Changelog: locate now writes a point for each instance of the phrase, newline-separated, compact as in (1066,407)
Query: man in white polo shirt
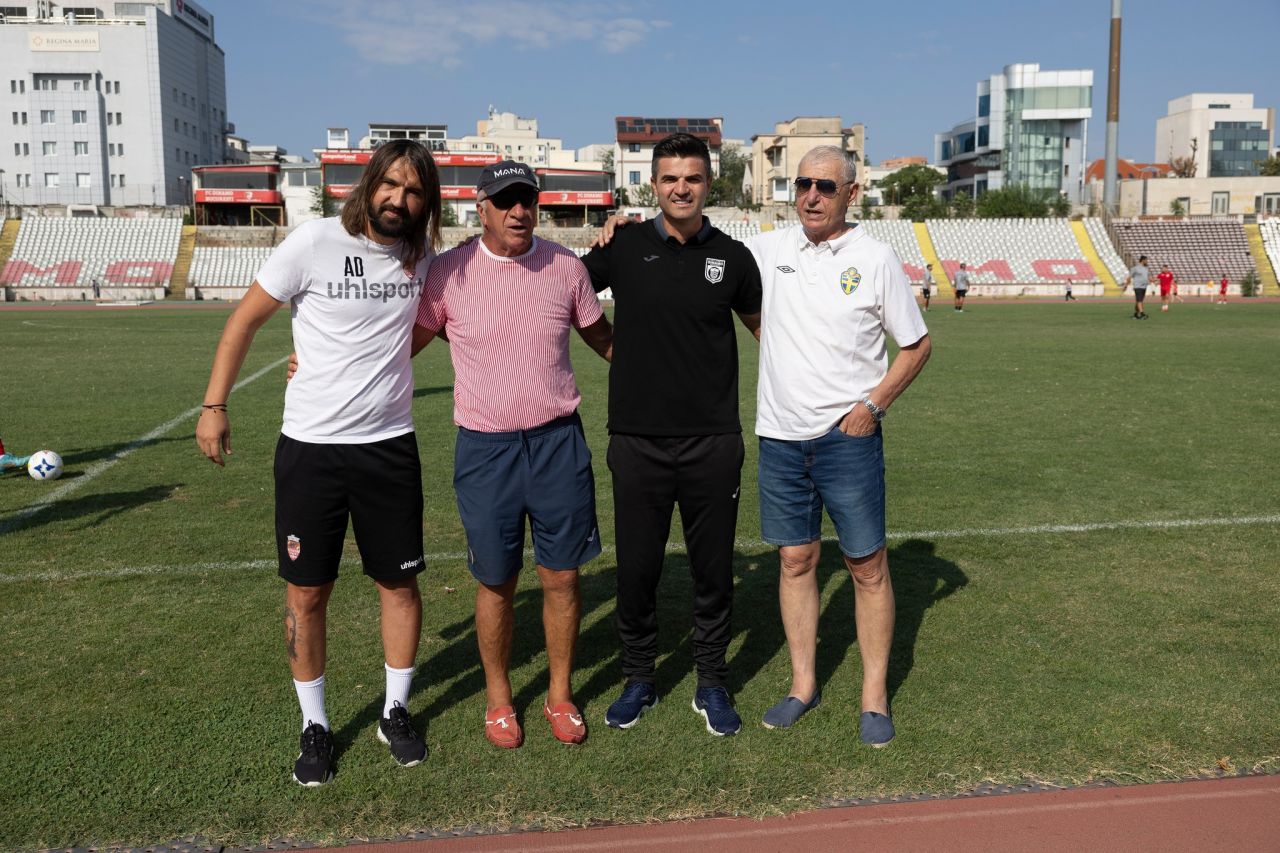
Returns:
(347,448)
(832,294)
(507,302)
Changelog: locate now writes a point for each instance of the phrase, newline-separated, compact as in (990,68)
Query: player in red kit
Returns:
(1166,286)
(1222,290)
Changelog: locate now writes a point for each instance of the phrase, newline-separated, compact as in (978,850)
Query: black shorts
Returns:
(1139,294)
(379,485)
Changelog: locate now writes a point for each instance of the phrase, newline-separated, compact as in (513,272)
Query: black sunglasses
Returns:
(505,200)
(825,186)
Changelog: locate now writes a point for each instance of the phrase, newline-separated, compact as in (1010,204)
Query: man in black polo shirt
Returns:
(675,436)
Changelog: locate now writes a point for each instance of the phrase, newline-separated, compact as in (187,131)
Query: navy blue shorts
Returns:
(543,474)
(841,472)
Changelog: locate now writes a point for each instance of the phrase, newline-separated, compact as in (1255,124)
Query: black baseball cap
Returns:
(497,177)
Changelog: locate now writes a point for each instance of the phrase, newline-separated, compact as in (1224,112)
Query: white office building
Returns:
(1224,134)
(108,104)
(1029,128)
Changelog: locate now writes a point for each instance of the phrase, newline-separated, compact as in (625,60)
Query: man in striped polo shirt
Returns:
(507,302)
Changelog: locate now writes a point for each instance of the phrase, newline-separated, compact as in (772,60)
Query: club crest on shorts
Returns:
(293,545)
(849,280)
(714,270)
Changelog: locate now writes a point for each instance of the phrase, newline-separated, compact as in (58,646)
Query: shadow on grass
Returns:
(94,509)
(429,392)
(83,455)
(920,579)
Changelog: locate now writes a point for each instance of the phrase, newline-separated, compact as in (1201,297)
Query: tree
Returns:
(918,208)
(1060,206)
(962,206)
(910,182)
(1176,208)
(1015,201)
(620,198)
(1269,167)
(324,204)
(1182,167)
(726,190)
(644,196)
(448,215)
(606,162)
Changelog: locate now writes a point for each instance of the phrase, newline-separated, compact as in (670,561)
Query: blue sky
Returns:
(904,69)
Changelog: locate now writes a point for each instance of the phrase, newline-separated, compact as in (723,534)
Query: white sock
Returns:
(311,698)
(398,681)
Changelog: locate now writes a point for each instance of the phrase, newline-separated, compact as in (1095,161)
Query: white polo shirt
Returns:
(353,303)
(826,311)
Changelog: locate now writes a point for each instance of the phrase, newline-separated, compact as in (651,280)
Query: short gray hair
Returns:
(832,154)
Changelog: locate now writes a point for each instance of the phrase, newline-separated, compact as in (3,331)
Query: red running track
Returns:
(1238,814)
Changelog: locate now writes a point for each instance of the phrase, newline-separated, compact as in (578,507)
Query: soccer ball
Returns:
(45,465)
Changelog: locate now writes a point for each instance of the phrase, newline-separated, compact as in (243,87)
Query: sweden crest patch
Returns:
(849,280)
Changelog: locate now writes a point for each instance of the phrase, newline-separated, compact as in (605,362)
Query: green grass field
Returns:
(144,693)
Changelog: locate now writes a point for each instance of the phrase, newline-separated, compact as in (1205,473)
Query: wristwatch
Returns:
(877,413)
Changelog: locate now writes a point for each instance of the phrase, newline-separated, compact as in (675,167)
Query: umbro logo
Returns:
(651,258)
(785,269)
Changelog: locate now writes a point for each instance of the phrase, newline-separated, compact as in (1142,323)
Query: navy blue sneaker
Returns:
(637,697)
(715,706)
(875,729)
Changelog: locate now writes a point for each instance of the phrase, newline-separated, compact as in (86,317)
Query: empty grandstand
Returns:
(1106,250)
(1197,250)
(1007,257)
(223,272)
(1270,229)
(59,258)
(901,235)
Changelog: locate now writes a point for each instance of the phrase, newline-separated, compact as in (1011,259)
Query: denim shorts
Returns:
(843,473)
(542,475)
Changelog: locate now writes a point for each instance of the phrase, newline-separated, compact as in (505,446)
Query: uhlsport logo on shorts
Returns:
(294,546)
(714,270)
(849,280)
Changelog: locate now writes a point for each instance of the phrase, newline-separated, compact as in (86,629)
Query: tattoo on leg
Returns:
(291,632)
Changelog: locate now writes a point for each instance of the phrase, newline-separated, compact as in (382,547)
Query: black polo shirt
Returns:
(675,348)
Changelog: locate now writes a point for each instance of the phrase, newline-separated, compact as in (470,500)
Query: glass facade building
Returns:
(1236,147)
(1030,129)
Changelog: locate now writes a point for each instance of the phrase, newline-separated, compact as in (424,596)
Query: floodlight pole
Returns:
(1113,112)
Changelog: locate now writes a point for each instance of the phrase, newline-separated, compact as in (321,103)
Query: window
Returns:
(633,178)
(50,149)
(17,149)
(82,180)
(46,84)
(79,117)
(13,87)
(122,180)
(120,148)
(119,120)
(46,117)
(51,180)
(175,125)
(117,87)
(984,106)
(113,180)
(26,150)
(175,94)
(110,118)
(15,117)
(177,154)
(634,147)
(111,149)
(82,149)
(24,118)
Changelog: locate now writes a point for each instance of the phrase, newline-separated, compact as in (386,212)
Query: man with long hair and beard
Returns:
(347,448)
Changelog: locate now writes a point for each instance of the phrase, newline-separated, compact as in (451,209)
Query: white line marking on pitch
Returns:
(95,471)
(674,547)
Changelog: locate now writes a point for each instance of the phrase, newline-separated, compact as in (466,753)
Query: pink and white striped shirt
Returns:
(508,322)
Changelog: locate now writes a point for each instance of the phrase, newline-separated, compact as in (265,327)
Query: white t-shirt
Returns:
(353,304)
(822,329)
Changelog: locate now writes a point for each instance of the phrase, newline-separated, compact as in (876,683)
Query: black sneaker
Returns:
(314,766)
(407,748)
